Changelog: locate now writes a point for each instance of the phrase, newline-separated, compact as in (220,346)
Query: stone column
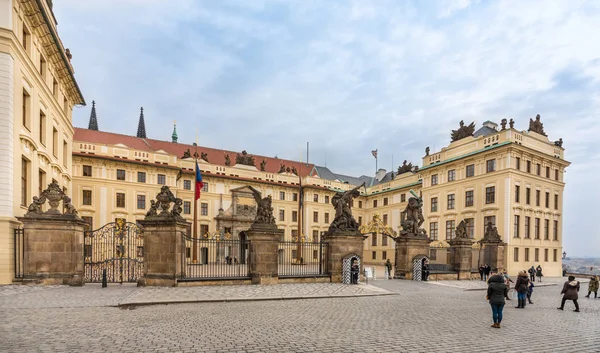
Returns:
(461,255)
(493,254)
(341,245)
(263,260)
(164,251)
(53,249)
(407,248)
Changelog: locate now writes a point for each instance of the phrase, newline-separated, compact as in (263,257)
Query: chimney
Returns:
(380,174)
(491,125)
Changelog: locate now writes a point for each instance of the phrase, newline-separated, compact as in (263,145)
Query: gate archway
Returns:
(118,248)
(418,267)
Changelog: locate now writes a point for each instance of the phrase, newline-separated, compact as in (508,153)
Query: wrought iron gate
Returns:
(118,248)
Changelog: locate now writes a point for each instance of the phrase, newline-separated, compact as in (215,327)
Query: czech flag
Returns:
(199,183)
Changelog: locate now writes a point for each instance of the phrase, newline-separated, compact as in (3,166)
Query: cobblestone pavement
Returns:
(481,285)
(421,318)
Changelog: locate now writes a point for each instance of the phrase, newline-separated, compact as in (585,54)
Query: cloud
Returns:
(349,77)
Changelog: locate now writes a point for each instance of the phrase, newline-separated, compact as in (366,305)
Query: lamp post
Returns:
(564,254)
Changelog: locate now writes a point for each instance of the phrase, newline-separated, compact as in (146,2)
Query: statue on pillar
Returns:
(163,202)
(414,217)
(536,125)
(461,230)
(343,220)
(491,234)
(264,210)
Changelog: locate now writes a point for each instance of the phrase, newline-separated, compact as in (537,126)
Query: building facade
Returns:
(38,90)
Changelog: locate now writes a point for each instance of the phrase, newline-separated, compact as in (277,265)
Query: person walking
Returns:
(593,286)
(496,293)
(530,292)
(486,272)
(538,273)
(507,282)
(522,286)
(532,273)
(481,272)
(388,265)
(570,292)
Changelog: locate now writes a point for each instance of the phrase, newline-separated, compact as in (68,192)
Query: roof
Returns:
(485,149)
(484,131)
(215,156)
(327,174)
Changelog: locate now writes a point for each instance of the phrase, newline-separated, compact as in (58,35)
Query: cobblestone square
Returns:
(421,317)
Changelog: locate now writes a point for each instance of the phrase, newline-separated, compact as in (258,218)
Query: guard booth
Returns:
(347,272)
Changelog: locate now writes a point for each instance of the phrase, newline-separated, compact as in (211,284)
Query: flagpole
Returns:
(195,225)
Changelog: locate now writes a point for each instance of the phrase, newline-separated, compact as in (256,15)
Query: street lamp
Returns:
(564,254)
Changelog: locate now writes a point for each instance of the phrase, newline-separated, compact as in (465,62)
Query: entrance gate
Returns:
(118,248)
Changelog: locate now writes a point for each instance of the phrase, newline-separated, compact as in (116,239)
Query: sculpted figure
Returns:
(227,160)
(69,208)
(558,143)
(244,159)
(264,210)
(463,131)
(204,156)
(186,154)
(414,217)
(511,123)
(177,209)
(536,125)
(282,168)
(427,151)
(503,123)
(153,207)
(491,233)
(343,220)
(461,230)
(263,164)
(404,168)
(36,205)
(294,170)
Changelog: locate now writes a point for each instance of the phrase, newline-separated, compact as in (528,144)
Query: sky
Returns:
(349,77)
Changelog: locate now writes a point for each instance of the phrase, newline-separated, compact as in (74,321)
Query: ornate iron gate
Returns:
(118,248)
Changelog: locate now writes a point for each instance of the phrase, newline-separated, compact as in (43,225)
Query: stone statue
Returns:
(427,151)
(511,123)
(177,209)
(491,233)
(414,216)
(343,220)
(288,170)
(36,206)
(227,160)
(204,156)
(195,154)
(404,168)
(152,211)
(461,231)
(263,164)
(163,202)
(69,208)
(68,54)
(536,125)
(264,210)
(294,170)
(187,154)
(463,131)
(282,168)
(54,195)
(503,123)
(558,143)
(244,159)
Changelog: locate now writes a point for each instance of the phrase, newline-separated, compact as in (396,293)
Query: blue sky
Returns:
(348,76)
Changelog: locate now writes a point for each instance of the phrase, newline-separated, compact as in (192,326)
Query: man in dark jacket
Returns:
(522,286)
(570,292)
(496,293)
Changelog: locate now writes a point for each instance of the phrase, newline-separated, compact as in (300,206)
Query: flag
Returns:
(199,183)
(374,153)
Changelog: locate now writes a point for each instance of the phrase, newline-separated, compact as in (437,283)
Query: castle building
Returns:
(38,91)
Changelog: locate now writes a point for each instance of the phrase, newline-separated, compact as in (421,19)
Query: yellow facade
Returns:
(38,93)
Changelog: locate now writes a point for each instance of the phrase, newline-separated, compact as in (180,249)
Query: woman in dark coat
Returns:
(496,292)
(538,273)
(522,286)
(570,292)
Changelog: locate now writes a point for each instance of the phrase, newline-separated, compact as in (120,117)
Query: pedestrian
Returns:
(522,286)
(496,293)
(530,292)
(593,286)
(507,281)
(481,272)
(388,265)
(355,270)
(425,274)
(569,292)
(486,271)
(538,273)
(532,273)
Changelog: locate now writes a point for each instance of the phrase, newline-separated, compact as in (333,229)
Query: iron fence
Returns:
(302,259)
(19,251)
(208,259)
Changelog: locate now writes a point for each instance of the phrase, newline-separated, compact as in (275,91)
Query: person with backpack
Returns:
(496,293)
(532,273)
(538,273)
(522,287)
(570,292)
(593,286)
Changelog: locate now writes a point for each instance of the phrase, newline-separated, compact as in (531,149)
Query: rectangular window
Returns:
(527,227)
(87,197)
(434,204)
(469,198)
(295,238)
(65,153)
(42,128)
(528,196)
(295,196)
(403,198)
(517,225)
(517,193)
(470,170)
(55,142)
(433,230)
(204,209)
(141,177)
(294,216)
(187,184)
(490,165)
(326,198)
(434,179)
(548,172)
(24,181)
(526,254)
(450,230)
(516,255)
(490,194)
(25,111)
(43,67)
(538,169)
(326,217)
(487,220)
(374,203)
(385,201)
(546,229)
(384,240)
(545,255)
(384,253)
(556,174)
(54,87)
(374,255)
(359,204)
(315,236)
(25,38)
(120,174)
(374,239)
(433,254)
(359,220)
(65,105)
(204,229)
(316,217)
(556,201)
(141,202)
(41,181)
(528,164)
(450,201)
(547,200)
(554,255)
(160,179)
(518,166)
(281,215)
(536,255)
(187,207)
(451,175)
(470,222)
(537,197)
(87,170)
(536,230)
(555,231)
(316,197)
(120,199)
(205,187)
(282,195)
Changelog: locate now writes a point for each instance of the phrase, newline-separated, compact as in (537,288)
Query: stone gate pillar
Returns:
(493,248)
(340,245)
(263,260)
(461,256)
(407,248)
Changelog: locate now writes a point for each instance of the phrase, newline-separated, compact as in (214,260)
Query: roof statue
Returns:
(404,168)
(186,154)
(503,123)
(245,159)
(141,132)
(558,143)
(281,168)
(427,149)
(163,201)
(511,123)
(264,210)
(343,220)
(93,125)
(204,156)
(227,160)
(463,131)
(536,125)
(263,164)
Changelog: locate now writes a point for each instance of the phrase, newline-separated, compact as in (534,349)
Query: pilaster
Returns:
(342,245)
(263,261)
(408,248)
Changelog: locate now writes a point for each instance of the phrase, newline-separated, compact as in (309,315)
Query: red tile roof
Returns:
(215,156)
